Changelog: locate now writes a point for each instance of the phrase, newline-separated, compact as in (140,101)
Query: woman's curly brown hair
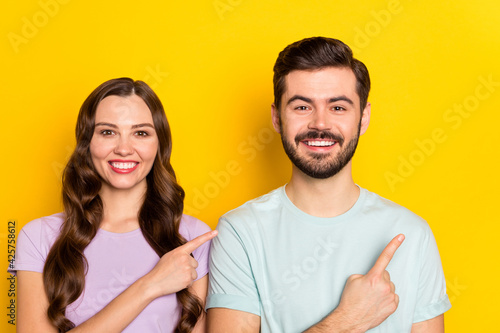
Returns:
(159,216)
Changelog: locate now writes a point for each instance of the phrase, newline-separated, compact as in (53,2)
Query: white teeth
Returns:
(122,166)
(320,143)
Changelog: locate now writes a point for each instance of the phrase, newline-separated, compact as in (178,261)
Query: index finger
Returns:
(193,244)
(386,256)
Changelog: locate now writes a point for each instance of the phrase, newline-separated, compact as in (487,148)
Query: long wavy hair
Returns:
(159,216)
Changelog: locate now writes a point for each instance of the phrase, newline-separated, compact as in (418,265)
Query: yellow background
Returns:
(211,64)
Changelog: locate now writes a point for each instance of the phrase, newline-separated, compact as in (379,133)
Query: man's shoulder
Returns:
(379,207)
(257,207)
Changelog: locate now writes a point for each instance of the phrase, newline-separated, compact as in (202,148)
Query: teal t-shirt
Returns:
(290,268)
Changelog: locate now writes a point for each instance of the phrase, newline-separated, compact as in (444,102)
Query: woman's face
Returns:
(124,144)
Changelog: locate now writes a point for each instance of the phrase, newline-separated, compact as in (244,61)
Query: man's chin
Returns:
(319,173)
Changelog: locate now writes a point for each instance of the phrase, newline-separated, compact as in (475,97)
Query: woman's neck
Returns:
(121,208)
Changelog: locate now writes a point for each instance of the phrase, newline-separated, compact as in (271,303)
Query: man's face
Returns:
(320,120)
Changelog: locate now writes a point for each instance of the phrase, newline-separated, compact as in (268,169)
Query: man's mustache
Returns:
(319,135)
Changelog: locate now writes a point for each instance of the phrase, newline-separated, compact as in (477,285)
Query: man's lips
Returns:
(319,142)
(319,139)
(123,166)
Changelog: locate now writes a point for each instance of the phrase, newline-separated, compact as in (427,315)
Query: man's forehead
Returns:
(321,83)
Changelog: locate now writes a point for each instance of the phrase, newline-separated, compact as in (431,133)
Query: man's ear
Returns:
(365,118)
(275,114)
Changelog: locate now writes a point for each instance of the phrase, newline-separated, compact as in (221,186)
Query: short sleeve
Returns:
(432,299)
(191,228)
(232,283)
(34,242)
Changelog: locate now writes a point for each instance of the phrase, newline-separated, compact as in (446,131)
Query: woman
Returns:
(97,267)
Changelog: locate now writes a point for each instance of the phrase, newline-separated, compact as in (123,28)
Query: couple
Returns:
(311,256)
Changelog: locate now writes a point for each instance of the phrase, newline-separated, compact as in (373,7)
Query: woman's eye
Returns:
(142,133)
(107,132)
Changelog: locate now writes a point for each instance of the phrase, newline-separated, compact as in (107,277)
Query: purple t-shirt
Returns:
(116,260)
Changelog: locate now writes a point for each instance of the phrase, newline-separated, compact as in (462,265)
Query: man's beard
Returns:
(320,165)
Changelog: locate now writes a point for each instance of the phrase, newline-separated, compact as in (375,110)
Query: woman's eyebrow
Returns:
(143,125)
(133,126)
(106,124)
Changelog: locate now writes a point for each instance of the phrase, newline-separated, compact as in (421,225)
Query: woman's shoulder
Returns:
(47,226)
(191,227)
(35,241)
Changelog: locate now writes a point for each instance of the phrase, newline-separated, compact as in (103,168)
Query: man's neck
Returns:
(323,197)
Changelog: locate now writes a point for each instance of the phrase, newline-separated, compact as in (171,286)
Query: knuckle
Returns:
(394,306)
(187,278)
(386,289)
(183,260)
(375,279)
(354,277)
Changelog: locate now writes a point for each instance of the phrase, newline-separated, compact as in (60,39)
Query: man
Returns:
(291,260)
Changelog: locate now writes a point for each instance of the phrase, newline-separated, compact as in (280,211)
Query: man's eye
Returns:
(301,108)
(338,108)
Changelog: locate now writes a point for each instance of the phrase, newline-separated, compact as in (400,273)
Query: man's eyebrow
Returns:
(331,100)
(341,98)
(299,97)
